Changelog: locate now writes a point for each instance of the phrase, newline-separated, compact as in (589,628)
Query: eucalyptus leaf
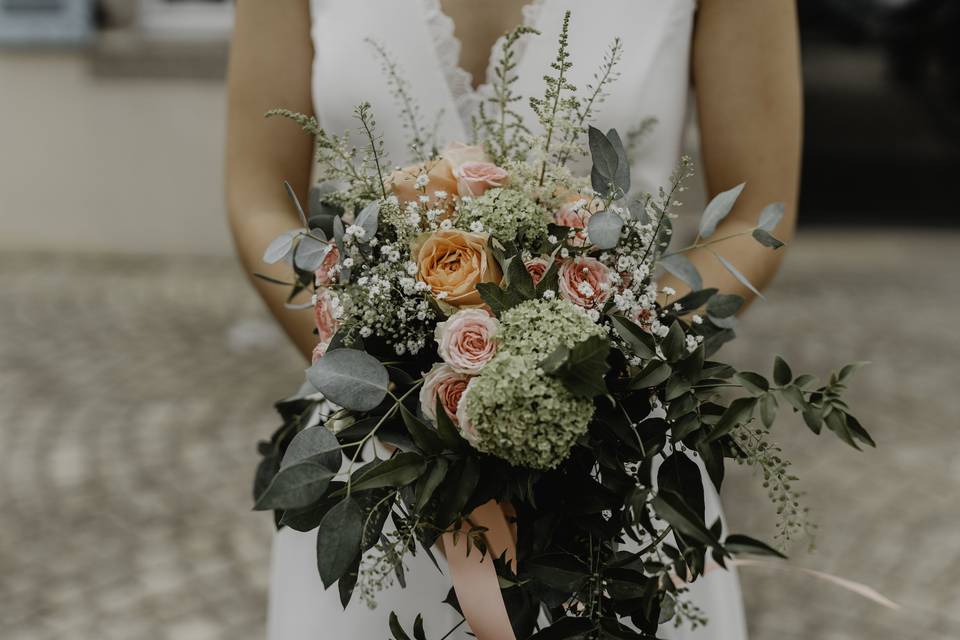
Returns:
(368,220)
(281,246)
(296,203)
(763,237)
(353,379)
(770,216)
(681,266)
(739,276)
(718,209)
(724,305)
(622,176)
(310,253)
(604,229)
(295,486)
(603,153)
(338,540)
(316,443)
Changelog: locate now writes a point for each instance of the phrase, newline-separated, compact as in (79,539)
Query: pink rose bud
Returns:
(446,384)
(325,275)
(575,214)
(319,351)
(465,340)
(585,282)
(537,268)
(474,178)
(323,314)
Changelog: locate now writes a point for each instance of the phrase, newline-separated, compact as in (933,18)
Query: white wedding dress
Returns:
(419,38)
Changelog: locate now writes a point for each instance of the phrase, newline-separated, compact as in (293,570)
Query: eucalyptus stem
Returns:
(701,245)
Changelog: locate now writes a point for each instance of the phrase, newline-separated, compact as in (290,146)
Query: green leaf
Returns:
(770,216)
(672,508)
(348,581)
(859,432)
(724,305)
(782,375)
(768,409)
(738,544)
(837,422)
(718,209)
(604,229)
(295,486)
(396,629)
(695,299)
(849,370)
(519,279)
(317,443)
(418,633)
(680,475)
(654,373)
(739,412)
(622,177)
(641,342)
(766,239)
(680,266)
(398,471)
(581,368)
(446,429)
(753,382)
(338,540)
(813,418)
(674,345)
(426,439)
(430,481)
(567,628)
(603,154)
(560,571)
(353,379)
(739,276)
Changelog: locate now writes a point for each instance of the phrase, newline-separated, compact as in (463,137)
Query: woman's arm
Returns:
(270,67)
(746,70)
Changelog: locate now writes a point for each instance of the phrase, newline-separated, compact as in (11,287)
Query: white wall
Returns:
(93,164)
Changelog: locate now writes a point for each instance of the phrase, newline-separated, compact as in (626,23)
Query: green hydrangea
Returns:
(537,327)
(508,214)
(520,414)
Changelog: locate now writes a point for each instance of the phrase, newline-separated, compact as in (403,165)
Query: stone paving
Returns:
(132,391)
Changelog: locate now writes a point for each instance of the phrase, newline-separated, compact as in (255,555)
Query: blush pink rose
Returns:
(474,178)
(575,214)
(465,340)
(537,268)
(325,274)
(585,282)
(467,429)
(323,314)
(319,351)
(443,382)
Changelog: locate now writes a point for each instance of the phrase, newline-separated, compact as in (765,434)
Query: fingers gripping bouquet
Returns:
(548,414)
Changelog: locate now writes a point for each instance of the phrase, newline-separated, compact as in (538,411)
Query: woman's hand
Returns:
(270,66)
(746,69)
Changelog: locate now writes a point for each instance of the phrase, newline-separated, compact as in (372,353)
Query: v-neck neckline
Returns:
(447,46)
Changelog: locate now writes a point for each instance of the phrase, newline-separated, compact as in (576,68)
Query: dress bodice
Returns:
(419,38)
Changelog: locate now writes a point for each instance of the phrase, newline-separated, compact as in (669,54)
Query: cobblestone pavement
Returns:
(132,391)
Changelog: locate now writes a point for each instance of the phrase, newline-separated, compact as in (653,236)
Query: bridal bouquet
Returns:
(545,415)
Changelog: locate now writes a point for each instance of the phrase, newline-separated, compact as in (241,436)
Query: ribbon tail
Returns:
(474,576)
(858,588)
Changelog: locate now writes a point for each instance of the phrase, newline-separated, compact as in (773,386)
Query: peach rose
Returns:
(446,383)
(537,268)
(467,429)
(465,340)
(325,274)
(453,263)
(403,182)
(474,178)
(585,282)
(323,314)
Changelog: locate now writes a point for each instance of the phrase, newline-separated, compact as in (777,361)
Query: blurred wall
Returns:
(90,163)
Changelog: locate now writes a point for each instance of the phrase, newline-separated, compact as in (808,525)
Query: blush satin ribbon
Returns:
(474,577)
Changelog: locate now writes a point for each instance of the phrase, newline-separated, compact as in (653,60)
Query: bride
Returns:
(313,56)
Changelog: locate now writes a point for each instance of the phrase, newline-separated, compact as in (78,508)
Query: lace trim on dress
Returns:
(448,45)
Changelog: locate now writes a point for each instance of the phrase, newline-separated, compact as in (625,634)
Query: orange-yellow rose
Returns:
(453,263)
